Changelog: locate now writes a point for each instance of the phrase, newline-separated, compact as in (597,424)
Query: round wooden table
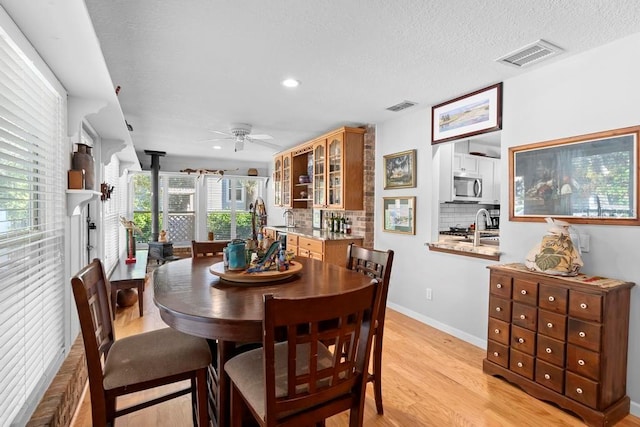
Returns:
(193,300)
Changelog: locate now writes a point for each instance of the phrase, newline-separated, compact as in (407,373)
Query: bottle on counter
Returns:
(333,223)
(343,224)
(348,226)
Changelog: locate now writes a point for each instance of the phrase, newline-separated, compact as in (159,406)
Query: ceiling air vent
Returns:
(401,106)
(530,53)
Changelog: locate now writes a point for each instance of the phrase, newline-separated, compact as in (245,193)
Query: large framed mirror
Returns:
(583,179)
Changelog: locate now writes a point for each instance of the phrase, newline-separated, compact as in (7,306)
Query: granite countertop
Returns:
(455,244)
(313,233)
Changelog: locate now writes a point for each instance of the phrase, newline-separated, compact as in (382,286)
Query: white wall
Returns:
(594,91)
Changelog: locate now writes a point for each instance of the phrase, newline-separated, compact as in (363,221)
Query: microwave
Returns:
(467,186)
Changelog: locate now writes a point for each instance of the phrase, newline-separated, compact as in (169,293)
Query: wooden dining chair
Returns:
(209,248)
(135,363)
(298,380)
(376,264)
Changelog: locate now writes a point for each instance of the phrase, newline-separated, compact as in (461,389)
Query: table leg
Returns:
(141,297)
(225,352)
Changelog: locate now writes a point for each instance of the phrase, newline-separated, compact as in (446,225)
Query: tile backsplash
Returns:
(461,214)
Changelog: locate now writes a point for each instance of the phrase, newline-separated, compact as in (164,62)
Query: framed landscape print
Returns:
(400,170)
(472,114)
(399,214)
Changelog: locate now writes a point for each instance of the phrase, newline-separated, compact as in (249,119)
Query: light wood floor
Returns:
(429,379)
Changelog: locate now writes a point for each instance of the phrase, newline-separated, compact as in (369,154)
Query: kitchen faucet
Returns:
(476,233)
(289,219)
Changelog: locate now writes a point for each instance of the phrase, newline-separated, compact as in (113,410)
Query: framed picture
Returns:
(472,114)
(399,214)
(400,170)
(317,218)
(582,179)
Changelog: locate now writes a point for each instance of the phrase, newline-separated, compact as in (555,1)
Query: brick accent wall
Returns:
(59,403)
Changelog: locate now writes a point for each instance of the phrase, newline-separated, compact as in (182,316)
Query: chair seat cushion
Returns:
(247,371)
(152,355)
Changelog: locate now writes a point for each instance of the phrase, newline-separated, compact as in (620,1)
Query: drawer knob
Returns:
(579,390)
(499,286)
(549,325)
(521,340)
(581,362)
(552,299)
(583,306)
(523,292)
(498,309)
(582,334)
(547,376)
(496,354)
(548,350)
(519,364)
(522,316)
(497,331)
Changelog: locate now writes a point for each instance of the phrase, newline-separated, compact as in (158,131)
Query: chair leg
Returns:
(202,401)
(377,374)
(236,407)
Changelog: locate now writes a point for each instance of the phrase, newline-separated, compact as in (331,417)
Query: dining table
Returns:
(196,301)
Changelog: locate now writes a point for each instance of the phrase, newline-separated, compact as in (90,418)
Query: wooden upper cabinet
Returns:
(286,180)
(277,180)
(319,178)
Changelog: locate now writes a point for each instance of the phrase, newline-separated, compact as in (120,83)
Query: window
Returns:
(229,217)
(32,224)
(111,218)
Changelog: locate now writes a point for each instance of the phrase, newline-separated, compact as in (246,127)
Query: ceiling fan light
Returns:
(217,147)
(239,145)
(291,83)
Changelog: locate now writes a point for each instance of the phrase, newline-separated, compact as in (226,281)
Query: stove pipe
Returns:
(155,191)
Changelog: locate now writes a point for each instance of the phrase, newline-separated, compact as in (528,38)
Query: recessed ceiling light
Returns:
(217,147)
(291,83)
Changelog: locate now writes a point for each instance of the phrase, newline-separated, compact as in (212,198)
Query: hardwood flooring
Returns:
(429,379)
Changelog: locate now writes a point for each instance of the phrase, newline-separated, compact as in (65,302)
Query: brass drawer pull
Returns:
(521,340)
(519,364)
(498,309)
(496,354)
(581,362)
(522,316)
(583,306)
(552,299)
(579,390)
(548,350)
(547,376)
(582,334)
(499,286)
(497,331)
(549,325)
(523,292)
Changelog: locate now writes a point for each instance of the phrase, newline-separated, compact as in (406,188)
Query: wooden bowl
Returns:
(126,297)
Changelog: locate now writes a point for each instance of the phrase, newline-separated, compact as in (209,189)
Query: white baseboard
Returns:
(635,407)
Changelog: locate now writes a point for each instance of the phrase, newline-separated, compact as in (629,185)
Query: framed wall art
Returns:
(400,170)
(399,214)
(584,179)
(471,114)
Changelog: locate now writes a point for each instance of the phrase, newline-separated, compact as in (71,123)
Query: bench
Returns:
(129,276)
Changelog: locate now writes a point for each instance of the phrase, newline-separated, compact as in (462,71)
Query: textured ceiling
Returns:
(187,67)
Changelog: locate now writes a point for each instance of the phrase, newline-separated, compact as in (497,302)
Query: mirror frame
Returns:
(631,132)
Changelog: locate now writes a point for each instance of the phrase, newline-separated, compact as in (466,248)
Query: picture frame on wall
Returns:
(400,170)
(467,115)
(399,214)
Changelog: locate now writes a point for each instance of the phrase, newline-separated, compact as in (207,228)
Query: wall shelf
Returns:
(78,198)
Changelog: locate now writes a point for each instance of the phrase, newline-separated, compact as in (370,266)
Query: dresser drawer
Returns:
(498,353)
(584,362)
(311,245)
(584,334)
(585,306)
(550,376)
(498,331)
(500,285)
(581,389)
(525,316)
(550,350)
(525,291)
(500,308)
(523,340)
(552,298)
(553,325)
(521,364)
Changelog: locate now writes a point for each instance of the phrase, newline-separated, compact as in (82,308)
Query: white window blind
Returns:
(112,213)
(32,222)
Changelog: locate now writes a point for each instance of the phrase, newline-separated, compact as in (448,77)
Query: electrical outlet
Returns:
(429,294)
(584,242)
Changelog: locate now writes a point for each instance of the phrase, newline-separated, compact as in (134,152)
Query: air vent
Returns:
(401,106)
(530,54)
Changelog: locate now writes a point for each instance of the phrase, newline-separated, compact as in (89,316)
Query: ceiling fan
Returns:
(241,132)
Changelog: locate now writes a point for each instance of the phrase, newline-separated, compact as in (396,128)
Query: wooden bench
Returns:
(129,276)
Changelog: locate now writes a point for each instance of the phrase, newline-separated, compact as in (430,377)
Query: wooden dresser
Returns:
(561,339)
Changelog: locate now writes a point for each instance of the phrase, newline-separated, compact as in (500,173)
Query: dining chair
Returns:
(214,247)
(298,380)
(135,363)
(376,264)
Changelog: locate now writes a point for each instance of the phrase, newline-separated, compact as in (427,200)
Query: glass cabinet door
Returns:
(335,171)
(286,180)
(319,186)
(277,182)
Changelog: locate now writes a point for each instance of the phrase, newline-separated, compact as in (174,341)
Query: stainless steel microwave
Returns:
(467,186)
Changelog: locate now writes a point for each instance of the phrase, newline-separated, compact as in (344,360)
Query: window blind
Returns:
(112,212)
(32,223)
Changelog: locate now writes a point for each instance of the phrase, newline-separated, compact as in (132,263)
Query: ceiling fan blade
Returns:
(216,139)
(260,136)
(220,132)
(263,143)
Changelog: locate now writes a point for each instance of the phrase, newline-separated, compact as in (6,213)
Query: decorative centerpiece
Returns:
(131,227)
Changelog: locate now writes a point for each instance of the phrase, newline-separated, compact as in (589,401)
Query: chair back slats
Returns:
(316,374)
(208,248)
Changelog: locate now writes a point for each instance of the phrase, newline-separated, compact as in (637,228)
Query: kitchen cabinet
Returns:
(465,163)
(487,168)
(286,181)
(277,180)
(331,251)
(561,339)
